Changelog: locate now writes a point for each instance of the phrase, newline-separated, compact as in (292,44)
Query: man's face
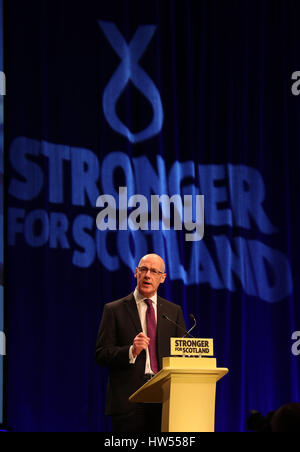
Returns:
(148,281)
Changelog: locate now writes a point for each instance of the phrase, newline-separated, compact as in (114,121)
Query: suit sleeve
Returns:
(108,351)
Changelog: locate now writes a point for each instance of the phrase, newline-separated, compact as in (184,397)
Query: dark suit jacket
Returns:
(120,324)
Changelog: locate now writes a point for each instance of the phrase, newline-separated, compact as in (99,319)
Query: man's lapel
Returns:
(133,312)
(160,313)
(160,329)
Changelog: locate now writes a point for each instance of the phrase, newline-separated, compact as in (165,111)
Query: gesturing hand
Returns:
(140,342)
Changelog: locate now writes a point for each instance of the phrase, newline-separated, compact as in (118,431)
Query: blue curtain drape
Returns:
(187,98)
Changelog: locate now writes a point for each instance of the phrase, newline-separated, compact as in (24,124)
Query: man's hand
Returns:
(140,343)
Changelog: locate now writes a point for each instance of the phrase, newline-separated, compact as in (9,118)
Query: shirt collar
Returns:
(139,297)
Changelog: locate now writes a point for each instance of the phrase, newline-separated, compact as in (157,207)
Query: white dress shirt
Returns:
(142,309)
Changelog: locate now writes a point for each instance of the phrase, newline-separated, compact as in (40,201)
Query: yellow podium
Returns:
(186,387)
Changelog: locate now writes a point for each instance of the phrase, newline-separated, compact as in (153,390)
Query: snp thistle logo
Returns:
(130,70)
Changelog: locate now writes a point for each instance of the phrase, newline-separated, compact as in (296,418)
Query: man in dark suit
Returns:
(134,336)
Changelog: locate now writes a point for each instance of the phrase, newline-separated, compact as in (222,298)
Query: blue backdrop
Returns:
(163,98)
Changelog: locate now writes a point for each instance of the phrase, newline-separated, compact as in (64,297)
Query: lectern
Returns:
(186,387)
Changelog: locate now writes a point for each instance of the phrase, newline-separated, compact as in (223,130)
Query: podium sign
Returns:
(191,347)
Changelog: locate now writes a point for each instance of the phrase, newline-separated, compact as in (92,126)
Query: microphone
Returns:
(194,326)
(179,326)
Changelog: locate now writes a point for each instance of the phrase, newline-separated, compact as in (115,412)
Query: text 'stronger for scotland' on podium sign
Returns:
(191,347)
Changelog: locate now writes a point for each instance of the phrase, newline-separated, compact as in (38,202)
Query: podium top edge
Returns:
(210,370)
(205,374)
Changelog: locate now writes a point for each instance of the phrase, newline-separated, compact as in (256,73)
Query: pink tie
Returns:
(151,332)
